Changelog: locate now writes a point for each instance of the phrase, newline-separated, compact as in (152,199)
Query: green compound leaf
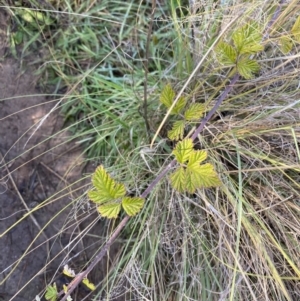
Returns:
(296,30)
(132,205)
(194,112)
(176,133)
(247,39)
(178,179)
(193,175)
(110,210)
(247,67)
(167,96)
(226,54)
(51,293)
(106,188)
(183,150)
(286,44)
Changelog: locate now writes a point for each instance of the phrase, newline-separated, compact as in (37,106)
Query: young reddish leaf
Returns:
(110,210)
(132,205)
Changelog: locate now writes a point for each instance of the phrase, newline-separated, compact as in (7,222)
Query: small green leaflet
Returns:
(167,97)
(191,175)
(194,112)
(226,53)
(110,196)
(178,179)
(51,293)
(296,30)
(177,131)
(195,158)
(202,177)
(247,39)
(183,150)
(110,210)
(106,188)
(132,205)
(247,67)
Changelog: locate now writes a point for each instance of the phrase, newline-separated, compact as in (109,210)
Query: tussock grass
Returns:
(237,242)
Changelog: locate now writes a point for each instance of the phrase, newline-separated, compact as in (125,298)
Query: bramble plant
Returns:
(110,196)
(51,292)
(246,41)
(188,173)
(193,113)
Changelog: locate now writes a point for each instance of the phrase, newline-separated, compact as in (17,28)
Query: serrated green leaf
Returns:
(226,54)
(196,158)
(178,179)
(51,293)
(296,30)
(110,210)
(191,183)
(88,284)
(132,205)
(247,39)
(176,133)
(106,188)
(167,96)
(194,112)
(202,177)
(180,104)
(247,67)
(286,44)
(183,150)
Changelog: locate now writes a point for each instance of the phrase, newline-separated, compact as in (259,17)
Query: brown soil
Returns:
(32,170)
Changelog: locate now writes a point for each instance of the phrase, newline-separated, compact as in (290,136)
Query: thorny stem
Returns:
(123,223)
(99,256)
